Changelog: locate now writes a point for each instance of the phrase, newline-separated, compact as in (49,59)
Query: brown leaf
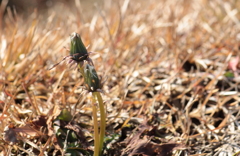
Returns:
(27,130)
(150,149)
(147,148)
(40,121)
(10,134)
(144,146)
(53,113)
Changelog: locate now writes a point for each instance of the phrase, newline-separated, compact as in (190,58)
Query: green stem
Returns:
(95,125)
(81,69)
(95,121)
(103,120)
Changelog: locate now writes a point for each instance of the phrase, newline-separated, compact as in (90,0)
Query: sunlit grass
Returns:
(165,62)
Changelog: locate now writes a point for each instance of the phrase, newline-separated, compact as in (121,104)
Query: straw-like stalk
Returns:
(98,96)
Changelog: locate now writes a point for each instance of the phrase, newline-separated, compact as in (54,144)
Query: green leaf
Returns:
(229,74)
(65,115)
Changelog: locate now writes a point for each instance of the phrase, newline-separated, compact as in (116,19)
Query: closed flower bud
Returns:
(78,51)
(91,79)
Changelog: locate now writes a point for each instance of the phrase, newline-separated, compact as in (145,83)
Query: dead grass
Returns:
(172,78)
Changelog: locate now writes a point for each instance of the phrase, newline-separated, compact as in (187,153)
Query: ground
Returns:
(171,72)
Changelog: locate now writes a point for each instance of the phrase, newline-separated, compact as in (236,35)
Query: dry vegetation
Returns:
(172,70)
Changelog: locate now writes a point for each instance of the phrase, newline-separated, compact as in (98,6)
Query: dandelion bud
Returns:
(91,79)
(78,51)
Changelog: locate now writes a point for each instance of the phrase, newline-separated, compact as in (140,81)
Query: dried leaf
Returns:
(53,114)
(10,134)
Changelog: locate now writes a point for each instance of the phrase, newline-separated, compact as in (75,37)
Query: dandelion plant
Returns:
(79,55)
(94,85)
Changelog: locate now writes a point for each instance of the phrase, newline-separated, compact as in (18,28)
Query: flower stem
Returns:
(95,125)
(103,120)
(81,69)
(95,121)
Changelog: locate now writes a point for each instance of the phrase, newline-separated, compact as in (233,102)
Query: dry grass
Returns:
(165,62)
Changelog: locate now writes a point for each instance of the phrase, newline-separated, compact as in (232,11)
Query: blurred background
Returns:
(25,7)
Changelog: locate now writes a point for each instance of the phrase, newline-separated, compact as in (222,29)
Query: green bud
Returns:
(91,78)
(78,51)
